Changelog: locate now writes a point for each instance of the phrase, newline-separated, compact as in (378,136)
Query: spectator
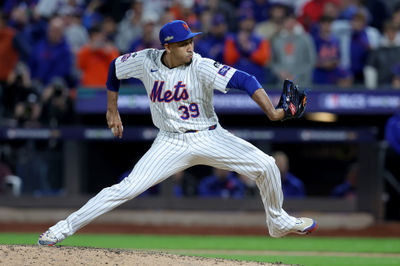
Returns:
(331,9)
(260,8)
(379,12)
(52,56)
(349,8)
(292,186)
(57,106)
(156,6)
(94,58)
(327,69)
(71,7)
(8,53)
(17,88)
(251,188)
(91,15)
(7,6)
(204,21)
(293,54)
(313,11)
(392,132)
(219,7)
(381,66)
(31,29)
(166,17)
(221,183)
(359,46)
(356,41)
(130,27)
(271,27)
(247,51)
(27,111)
(48,8)
(109,27)
(212,45)
(23,42)
(185,184)
(148,38)
(347,189)
(392,169)
(183,10)
(75,33)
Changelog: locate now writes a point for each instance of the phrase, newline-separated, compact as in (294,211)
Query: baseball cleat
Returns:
(47,239)
(305,226)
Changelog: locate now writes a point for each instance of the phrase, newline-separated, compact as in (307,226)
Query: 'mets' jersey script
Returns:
(180,98)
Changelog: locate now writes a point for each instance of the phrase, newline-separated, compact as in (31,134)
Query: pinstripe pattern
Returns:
(165,157)
(221,149)
(200,78)
(173,150)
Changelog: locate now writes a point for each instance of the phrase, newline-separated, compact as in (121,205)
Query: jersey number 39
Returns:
(191,111)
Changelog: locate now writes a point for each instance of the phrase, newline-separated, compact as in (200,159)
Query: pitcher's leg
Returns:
(106,200)
(162,160)
(226,151)
(269,183)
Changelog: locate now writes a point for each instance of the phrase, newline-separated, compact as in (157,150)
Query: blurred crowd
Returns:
(220,183)
(49,48)
(36,174)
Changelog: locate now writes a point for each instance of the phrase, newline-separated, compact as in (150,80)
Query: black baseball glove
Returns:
(293,100)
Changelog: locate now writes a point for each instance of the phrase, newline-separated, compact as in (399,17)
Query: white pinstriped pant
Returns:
(173,152)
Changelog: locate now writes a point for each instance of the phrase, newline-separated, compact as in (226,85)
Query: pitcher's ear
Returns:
(167,48)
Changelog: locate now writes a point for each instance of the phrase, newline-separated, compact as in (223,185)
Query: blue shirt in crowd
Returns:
(292,187)
(327,50)
(230,186)
(51,60)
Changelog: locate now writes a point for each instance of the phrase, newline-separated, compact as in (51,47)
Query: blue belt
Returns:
(194,131)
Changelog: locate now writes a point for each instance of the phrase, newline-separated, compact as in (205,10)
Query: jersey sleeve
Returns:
(130,65)
(215,75)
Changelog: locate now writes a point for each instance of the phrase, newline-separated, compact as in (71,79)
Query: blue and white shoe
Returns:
(47,239)
(305,226)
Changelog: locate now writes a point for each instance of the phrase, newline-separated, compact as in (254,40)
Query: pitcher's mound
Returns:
(60,255)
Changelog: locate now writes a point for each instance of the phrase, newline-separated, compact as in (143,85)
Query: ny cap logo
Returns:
(176,31)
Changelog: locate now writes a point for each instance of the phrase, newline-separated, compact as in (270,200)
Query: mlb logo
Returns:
(223,70)
(125,57)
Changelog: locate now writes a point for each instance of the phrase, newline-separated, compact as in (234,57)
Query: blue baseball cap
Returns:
(176,31)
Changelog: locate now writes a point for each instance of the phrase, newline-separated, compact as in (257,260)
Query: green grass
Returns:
(312,260)
(205,244)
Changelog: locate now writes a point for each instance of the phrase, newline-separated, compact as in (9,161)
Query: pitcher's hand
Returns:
(114,123)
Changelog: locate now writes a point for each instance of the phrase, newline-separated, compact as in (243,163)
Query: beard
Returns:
(188,63)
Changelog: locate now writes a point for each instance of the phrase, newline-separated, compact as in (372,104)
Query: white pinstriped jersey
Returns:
(180,98)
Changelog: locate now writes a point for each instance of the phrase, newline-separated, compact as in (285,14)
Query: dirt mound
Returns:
(60,255)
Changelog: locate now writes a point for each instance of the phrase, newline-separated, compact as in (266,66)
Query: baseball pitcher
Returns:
(180,85)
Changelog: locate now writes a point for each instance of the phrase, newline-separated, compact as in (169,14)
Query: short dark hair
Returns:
(94,29)
(327,19)
(389,25)
(360,15)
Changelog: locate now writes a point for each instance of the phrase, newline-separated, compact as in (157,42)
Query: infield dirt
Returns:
(59,255)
